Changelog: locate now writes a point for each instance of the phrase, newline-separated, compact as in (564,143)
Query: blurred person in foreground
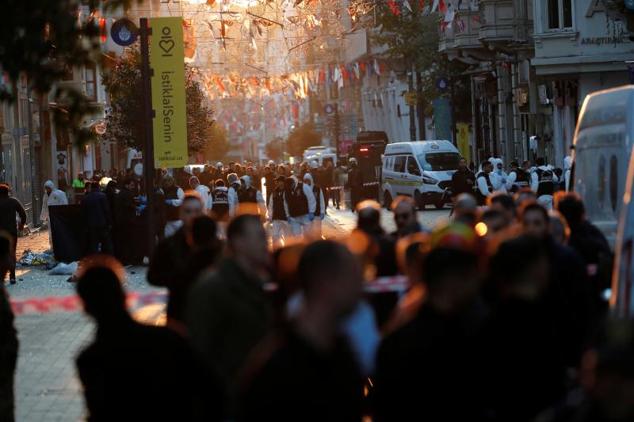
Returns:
(589,242)
(228,312)
(504,203)
(10,207)
(307,371)
(133,371)
(569,299)
(170,261)
(428,368)
(465,209)
(8,337)
(525,370)
(369,222)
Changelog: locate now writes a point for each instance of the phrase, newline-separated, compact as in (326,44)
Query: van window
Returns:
(601,182)
(412,166)
(399,164)
(438,161)
(614,178)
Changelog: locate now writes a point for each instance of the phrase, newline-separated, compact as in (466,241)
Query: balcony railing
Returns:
(504,21)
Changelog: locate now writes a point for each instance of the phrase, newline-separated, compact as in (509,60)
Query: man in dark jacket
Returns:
(9,208)
(463,180)
(98,219)
(125,213)
(307,372)
(169,264)
(8,338)
(228,313)
(133,371)
(427,370)
(355,184)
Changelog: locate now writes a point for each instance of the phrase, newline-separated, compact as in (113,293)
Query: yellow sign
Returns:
(168,92)
(463,140)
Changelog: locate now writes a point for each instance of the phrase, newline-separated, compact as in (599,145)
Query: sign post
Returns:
(148,153)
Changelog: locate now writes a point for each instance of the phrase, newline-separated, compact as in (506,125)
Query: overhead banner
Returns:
(168,92)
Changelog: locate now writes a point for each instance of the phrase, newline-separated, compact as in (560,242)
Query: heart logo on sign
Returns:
(166,45)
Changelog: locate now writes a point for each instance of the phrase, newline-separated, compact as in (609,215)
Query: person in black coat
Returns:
(98,219)
(133,371)
(463,180)
(125,213)
(8,338)
(428,368)
(9,208)
(306,372)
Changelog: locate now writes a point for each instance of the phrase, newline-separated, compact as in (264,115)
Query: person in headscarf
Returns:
(52,197)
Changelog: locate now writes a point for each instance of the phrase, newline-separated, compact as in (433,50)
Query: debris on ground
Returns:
(64,269)
(30,258)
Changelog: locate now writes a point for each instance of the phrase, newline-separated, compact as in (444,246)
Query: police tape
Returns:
(72,303)
(135,300)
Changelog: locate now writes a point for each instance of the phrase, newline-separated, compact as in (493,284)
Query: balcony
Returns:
(462,37)
(505,21)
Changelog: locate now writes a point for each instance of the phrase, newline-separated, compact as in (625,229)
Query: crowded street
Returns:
(317,211)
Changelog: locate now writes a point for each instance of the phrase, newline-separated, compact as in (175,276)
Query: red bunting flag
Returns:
(393,7)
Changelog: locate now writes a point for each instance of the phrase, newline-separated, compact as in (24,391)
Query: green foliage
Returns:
(217,146)
(123,83)
(301,138)
(40,40)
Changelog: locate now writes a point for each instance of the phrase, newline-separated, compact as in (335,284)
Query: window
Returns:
(559,14)
(399,164)
(90,79)
(412,166)
(440,161)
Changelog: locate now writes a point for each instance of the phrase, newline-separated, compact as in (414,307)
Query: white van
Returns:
(421,169)
(603,142)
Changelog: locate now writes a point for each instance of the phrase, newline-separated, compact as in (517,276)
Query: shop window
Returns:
(559,14)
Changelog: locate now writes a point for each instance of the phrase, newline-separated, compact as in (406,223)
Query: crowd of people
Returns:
(503,317)
(541,178)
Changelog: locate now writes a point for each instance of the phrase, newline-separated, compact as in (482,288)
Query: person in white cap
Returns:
(52,197)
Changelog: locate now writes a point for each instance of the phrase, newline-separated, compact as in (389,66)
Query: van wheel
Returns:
(418,198)
(439,205)
(387,200)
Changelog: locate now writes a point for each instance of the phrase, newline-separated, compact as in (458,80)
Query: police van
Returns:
(421,169)
(603,142)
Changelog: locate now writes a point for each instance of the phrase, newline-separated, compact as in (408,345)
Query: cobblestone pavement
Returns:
(47,388)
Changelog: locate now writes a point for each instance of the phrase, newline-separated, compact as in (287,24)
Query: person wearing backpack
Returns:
(546,181)
(483,181)
(518,178)
(220,201)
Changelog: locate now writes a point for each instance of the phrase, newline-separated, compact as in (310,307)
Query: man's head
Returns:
(129,183)
(495,220)
(94,187)
(246,240)
(191,208)
(559,229)
(570,205)
(337,291)
(353,162)
(520,267)
(49,186)
(526,165)
(99,286)
(487,167)
(369,216)
(514,165)
(168,181)
(80,176)
(465,209)
(194,182)
(219,183)
(279,182)
(535,220)
(503,203)
(462,164)
(452,278)
(523,196)
(404,209)
(540,161)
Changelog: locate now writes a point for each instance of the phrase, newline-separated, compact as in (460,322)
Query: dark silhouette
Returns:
(463,180)
(125,213)
(9,208)
(228,313)
(8,338)
(98,218)
(307,372)
(427,370)
(169,264)
(133,371)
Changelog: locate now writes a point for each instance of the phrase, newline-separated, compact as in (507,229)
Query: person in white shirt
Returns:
(52,197)
(204,192)
(320,205)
